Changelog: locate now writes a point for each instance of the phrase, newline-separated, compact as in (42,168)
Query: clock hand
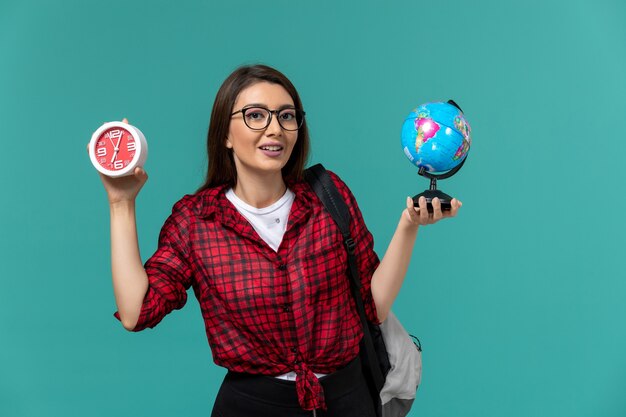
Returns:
(118,142)
(117,147)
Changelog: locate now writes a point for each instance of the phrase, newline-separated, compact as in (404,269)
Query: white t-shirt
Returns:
(269,222)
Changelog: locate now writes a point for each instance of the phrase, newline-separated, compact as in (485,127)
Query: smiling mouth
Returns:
(272,148)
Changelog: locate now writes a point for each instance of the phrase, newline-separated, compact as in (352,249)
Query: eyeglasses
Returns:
(259,118)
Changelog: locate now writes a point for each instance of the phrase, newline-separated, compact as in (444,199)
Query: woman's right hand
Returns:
(124,189)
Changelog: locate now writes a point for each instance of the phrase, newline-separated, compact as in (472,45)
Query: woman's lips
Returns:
(271,150)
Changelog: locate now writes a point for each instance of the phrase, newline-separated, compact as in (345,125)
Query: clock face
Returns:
(115,148)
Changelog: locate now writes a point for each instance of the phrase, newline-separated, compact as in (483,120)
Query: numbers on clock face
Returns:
(115,148)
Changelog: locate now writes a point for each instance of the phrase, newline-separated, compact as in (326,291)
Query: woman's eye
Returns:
(255,114)
(288,115)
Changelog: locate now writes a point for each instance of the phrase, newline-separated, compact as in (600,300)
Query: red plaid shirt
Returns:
(265,312)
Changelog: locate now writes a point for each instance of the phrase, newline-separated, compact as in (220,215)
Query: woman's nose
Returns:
(274,127)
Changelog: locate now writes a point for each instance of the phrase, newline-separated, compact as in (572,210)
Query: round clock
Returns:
(117,148)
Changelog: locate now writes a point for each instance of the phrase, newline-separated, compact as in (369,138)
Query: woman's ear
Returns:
(229,145)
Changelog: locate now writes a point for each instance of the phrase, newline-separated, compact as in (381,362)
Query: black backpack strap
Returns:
(324,187)
(333,201)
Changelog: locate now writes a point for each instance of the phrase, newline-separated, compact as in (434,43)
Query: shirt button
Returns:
(282,267)
(286,308)
(294,350)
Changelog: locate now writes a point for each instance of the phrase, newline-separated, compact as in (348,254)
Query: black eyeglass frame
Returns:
(269,119)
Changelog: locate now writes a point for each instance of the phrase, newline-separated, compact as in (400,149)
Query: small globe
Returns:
(436,136)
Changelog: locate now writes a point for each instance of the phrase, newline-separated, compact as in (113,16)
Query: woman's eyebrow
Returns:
(284,106)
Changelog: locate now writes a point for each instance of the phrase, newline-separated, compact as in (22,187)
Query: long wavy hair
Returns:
(221,169)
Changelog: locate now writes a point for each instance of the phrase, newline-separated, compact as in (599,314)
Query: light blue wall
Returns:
(519,301)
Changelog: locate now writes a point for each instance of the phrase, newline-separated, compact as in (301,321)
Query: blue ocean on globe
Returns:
(436,136)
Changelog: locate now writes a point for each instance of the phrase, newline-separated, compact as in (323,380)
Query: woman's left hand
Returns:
(420,216)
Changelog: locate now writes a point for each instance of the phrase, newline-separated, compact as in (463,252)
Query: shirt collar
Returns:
(209,203)
(302,204)
(213,203)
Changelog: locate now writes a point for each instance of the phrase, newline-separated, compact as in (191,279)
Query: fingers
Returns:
(421,215)
(411,211)
(456,205)
(140,174)
(437,214)
(423,212)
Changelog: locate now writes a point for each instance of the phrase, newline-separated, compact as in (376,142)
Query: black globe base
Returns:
(445,199)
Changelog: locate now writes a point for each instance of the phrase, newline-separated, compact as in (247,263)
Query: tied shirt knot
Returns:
(310,391)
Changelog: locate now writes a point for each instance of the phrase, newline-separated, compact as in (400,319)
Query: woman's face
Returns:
(261,152)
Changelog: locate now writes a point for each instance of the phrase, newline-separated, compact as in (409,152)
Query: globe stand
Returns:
(430,194)
(433,192)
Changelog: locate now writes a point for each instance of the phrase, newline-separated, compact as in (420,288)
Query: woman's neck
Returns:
(260,192)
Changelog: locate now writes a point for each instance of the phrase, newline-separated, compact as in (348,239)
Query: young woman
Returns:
(265,260)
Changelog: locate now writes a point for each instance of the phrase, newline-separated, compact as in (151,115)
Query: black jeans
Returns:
(246,395)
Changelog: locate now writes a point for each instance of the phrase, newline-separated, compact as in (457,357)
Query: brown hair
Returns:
(221,169)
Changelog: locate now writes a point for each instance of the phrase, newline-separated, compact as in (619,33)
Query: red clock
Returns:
(117,148)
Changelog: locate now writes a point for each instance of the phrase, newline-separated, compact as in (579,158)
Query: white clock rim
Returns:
(140,152)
